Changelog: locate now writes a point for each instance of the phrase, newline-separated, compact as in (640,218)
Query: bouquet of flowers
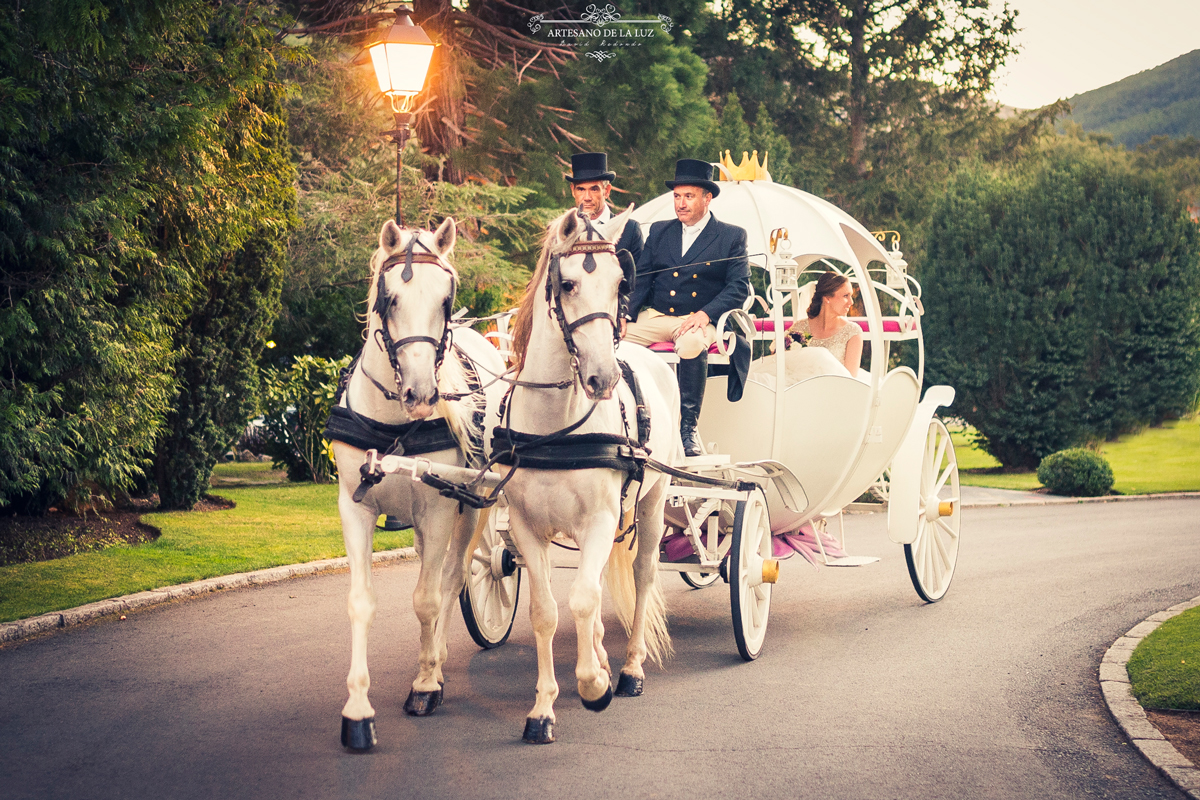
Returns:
(801,338)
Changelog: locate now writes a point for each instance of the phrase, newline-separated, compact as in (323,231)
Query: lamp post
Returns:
(401,60)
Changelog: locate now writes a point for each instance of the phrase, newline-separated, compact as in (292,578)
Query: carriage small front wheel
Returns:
(752,572)
(489,598)
(698,580)
(934,552)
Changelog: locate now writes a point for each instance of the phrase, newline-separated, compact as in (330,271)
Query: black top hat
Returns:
(590,167)
(694,172)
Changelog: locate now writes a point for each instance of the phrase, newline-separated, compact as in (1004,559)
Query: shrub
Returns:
(1063,300)
(1076,473)
(142,153)
(296,403)
(236,302)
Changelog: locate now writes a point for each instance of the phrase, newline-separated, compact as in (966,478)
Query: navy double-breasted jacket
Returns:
(631,240)
(713,276)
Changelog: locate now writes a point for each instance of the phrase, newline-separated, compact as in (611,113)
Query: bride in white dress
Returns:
(823,342)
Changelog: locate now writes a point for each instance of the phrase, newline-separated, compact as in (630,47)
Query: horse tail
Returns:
(481,524)
(619,579)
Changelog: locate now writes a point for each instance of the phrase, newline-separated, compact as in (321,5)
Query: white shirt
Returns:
(604,216)
(690,232)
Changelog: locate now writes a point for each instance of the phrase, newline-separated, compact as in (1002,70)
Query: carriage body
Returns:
(817,444)
(834,434)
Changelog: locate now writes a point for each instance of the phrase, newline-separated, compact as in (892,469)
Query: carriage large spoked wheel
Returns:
(932,555)
(489,599)
(752,571)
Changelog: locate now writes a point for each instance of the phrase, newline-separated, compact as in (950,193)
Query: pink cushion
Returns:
(768,325)
(669,347)
(889,325)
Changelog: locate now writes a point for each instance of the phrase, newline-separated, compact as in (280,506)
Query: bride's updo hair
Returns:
(827,284)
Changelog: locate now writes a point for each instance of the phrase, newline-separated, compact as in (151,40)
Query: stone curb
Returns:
(1129,714)
(45,623)
(1050,500)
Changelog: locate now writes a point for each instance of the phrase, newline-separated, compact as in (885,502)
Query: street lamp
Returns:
(401,60)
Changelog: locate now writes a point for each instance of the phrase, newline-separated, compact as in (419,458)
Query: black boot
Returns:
(693,377)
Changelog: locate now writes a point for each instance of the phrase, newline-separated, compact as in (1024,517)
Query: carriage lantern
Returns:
(787,271)
(401,60)
(897,267)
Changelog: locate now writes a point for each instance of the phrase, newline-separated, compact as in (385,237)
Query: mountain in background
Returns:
(1161,101)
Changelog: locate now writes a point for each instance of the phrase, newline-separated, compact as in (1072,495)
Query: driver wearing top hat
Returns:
(591,183)
(692,270)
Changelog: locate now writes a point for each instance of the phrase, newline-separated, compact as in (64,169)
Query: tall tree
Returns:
(106,214)
(1063,299)
(484,32)
(240,235)
(893,59)
(869,92)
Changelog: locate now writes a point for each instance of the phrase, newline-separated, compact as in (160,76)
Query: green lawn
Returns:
(1165,667)
(1165,459)
(271,526)
(246,473)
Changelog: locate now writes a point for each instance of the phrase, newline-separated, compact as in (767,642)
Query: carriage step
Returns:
(714,460)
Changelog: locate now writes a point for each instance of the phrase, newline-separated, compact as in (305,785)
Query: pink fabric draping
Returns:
(802,540)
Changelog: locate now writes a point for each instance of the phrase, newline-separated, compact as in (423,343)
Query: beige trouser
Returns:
(654,326)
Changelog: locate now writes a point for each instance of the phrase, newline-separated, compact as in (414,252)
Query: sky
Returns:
(1072,46)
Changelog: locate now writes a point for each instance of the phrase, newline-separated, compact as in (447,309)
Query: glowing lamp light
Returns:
(401,60)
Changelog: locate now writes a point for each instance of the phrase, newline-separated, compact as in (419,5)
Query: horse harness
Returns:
(419,436)
(408,439)
(588,249)
(564,450)
(383,304)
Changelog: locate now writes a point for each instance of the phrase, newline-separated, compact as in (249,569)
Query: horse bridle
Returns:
(587,248)
(383,304)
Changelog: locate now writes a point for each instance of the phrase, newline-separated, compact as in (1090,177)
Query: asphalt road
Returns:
(862,691)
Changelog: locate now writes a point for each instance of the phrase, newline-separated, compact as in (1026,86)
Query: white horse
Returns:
(573,296)
(411,369)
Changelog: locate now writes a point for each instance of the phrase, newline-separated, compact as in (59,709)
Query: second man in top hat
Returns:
(591,183)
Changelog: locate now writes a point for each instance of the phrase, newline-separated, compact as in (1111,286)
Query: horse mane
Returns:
(460,415)
(452,377)
(522,324)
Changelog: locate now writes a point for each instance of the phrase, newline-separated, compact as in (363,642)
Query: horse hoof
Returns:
(358,734)
(601,702)
(538,731)
(629,686)
(422,704)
